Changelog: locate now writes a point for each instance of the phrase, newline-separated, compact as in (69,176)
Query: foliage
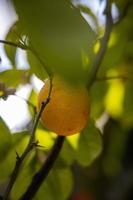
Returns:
(61,41)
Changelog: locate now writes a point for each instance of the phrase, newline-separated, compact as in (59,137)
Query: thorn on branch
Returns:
(17,156)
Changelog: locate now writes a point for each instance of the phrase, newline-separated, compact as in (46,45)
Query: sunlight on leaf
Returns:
(96,47)
(114,97)
(45,139)
(73,140)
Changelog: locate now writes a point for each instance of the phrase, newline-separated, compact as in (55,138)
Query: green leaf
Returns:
(97,93)
(32,99)
(45,139)
(67,153)
(57,186)
(86,10)
(127,117)
(12,36)
(18,142)
(14,77)
(24,178)
(59,34)
(36,67)
(89,145)
(115,141)
(5,139)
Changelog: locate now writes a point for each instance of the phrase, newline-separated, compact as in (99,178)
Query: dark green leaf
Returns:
(5,139)
(12,36)
(97,93)
(67,153)
(57,186)
(89,145)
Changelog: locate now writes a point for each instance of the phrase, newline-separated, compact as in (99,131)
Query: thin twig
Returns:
(30,146)
(103,46)
(19,45)
(41,175)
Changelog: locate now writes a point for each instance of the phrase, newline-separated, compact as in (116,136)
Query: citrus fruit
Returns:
(69,107)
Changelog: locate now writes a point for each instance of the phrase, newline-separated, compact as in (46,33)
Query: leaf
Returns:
(36,67)
(59,34)
(24,178)
(67,153)
(114,99)
(14,77)
(5,139)
(32,99)
(12,36)
(127,117)
(97,93)
(57,186)
(115,139)
(18,142)
(89,145)
(86,10)
(45,139)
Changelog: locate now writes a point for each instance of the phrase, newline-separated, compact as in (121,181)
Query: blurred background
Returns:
(98,163)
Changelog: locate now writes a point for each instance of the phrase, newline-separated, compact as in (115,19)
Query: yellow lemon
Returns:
(69,107)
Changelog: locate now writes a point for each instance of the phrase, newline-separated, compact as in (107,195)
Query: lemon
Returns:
(69,108)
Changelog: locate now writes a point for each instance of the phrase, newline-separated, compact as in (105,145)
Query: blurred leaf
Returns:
(59,34)
(90,145)
(114,97)
(5,139)
(97,93)
(14,77)
(45,139)
(115,51)
(32,99)
(114,147)
(12,36)
(86,10)
(57,186)
(119,46)
(18,142)
(73,140)
(128,105)
(24,178)
(36,67)
(67,153)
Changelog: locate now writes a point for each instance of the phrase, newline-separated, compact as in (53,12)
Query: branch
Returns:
(41,175)
(30,146)
(104,42)
(24,46)
(19,45)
